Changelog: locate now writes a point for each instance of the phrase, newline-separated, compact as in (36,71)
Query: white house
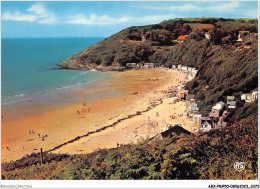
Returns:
(148,65)
(184,68)
(207,36)
(131,65)
(194,107)
(205,124)
(254,95)
(250,97)
(229,99)
(196,118)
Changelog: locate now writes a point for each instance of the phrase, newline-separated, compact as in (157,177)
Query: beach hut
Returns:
(196,118)
(148,65)
(246,97)
(207,36)
(229,99)
(194,107)
(182,95)
(131,65)
(254,95)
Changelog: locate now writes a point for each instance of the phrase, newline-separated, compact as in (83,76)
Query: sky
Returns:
(102,19)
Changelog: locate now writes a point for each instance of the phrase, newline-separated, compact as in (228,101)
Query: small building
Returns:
(254,95)
(221,123)
(229,99)
(196,118)
(246,97)
(194,107)
(148,65)
(179,66)
(243,36)
(217,109)
(181,38)
(131,65)
(182,95)
(222,104)
(205,124)
(232,105)
(184,68)
(139,65)
(194,71)
(250,97)
(207,36)
(173,66)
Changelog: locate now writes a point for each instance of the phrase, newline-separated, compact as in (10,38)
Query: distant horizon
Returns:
(53,19)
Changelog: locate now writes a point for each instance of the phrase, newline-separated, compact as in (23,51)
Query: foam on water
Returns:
(27,67)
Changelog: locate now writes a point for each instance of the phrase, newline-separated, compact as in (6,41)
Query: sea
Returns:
(29,70)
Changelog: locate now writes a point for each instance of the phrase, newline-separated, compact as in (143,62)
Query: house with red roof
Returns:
(182,37)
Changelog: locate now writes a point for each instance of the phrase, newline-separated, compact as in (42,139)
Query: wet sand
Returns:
(63,124)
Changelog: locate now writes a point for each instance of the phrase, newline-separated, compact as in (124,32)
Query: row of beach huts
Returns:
(140,65)
(152,65)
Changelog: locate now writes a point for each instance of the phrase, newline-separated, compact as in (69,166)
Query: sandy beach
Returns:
(138,90)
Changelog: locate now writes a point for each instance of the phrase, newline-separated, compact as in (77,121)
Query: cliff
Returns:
(158,43)
(225,57)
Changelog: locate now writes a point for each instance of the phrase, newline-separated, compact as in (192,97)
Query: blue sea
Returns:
(29,70)
(29,66)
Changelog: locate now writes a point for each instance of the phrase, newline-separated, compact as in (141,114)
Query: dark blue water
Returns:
(28,67)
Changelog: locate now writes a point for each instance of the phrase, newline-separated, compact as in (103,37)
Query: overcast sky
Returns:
(101,19)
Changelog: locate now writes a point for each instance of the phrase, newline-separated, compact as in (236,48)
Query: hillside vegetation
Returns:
(210,156)
(224,68)
(159,46)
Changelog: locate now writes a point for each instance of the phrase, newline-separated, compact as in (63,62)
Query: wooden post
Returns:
(41,157)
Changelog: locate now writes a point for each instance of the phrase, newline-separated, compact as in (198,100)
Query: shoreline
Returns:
(64,125)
